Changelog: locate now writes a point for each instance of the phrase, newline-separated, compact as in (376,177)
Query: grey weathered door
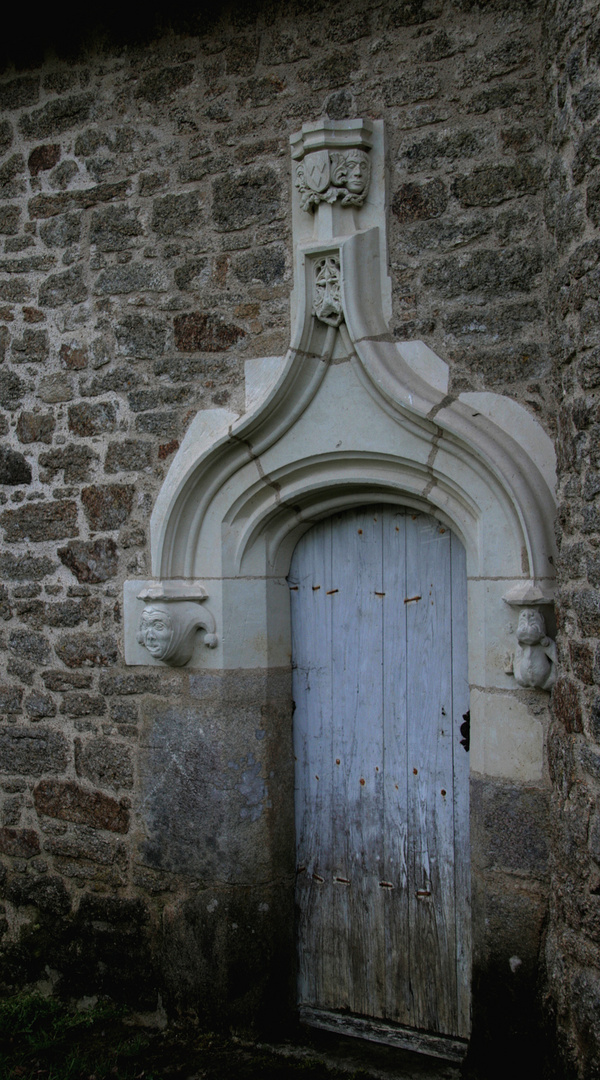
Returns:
(378,599)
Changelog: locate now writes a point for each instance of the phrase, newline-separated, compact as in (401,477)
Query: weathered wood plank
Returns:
(341,992)
(311,688)
(419,1042)
(431,825)
(395,883)
(462,850)
(358,699)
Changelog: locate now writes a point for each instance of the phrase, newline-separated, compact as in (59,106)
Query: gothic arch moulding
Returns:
(349,416)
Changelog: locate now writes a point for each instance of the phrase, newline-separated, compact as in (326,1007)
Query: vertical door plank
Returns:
(311,620)
(358,708)
(462,850)
(341,992)
(431,824)
(395,735)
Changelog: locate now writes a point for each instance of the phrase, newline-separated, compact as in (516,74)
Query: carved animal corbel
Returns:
(533,662)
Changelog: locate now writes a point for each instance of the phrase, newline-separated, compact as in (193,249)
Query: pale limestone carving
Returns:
(351,172)
(168,624)
(533,663)
(327,301)
(326,176)
(325,223)
(527,594)
(156,631)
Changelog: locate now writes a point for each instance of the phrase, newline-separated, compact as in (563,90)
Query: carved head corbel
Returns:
(351,172)
(169,622)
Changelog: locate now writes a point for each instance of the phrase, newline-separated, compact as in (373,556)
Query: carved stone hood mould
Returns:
(347,417)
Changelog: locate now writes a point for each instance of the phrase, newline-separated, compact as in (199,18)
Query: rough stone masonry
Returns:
(145,223)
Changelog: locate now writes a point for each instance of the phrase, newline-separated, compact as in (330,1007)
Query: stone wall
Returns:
(145,215)
(572,39)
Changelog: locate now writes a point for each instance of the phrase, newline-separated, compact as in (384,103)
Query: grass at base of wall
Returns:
(42,1038)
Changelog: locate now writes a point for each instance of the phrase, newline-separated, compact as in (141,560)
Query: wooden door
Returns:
(378,599)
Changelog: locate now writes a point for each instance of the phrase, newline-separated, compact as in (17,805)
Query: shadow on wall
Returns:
(29,42)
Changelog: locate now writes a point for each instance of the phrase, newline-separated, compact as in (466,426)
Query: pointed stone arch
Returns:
(349,416)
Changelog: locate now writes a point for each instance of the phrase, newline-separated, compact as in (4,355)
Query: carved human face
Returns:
(357,171)
(156,632)
(531,627)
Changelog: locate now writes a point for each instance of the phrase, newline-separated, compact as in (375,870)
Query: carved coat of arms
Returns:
(317,171)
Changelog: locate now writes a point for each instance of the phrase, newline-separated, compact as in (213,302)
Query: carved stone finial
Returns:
(533,663)
(334,162)
(327,300)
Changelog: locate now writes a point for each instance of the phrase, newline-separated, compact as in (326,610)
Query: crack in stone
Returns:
(447,400)
(256,459)
(431,483)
